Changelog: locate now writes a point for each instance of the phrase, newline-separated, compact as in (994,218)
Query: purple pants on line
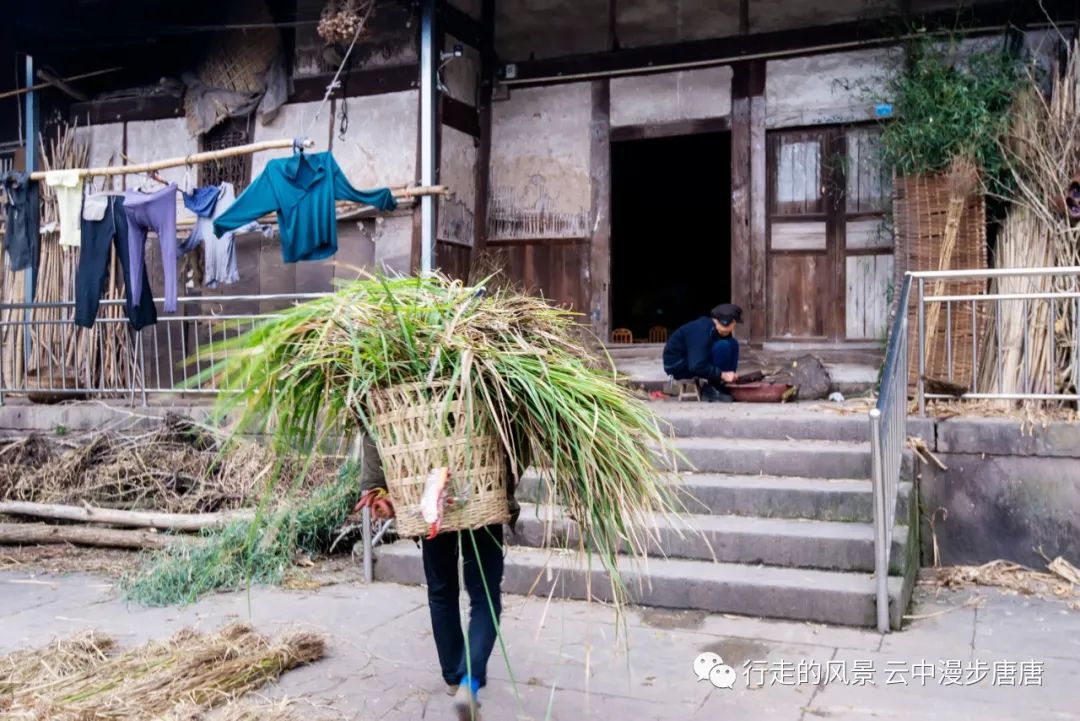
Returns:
(157,212)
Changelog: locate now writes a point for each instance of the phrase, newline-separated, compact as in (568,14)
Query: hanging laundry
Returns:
(202,201)
(21,239)
(157,212)
(93,269)
(68,185)
(302,189)
(219,253)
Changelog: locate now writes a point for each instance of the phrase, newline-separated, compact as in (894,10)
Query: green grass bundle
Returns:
(259,551)
(308,372)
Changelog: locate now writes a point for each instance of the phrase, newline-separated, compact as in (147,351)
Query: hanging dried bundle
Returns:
(343,20)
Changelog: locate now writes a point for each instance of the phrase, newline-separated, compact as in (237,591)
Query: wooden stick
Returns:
(61,85)
(30,534)
(118,517)
(193,159)
(39,86)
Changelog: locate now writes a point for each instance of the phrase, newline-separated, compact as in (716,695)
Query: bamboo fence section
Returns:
(921,211)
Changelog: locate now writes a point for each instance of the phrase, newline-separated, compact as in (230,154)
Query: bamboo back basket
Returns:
(422,426)
(920,207)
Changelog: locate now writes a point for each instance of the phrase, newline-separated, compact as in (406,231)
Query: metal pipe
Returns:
(881,558)
(31,156)
(428,90)
(920,384)
(994,272)
(1047,295)
(369,562)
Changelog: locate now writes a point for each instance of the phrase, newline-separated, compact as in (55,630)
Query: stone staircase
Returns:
(780,524)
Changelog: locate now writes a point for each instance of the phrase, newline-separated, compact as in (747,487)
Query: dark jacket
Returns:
(687,352)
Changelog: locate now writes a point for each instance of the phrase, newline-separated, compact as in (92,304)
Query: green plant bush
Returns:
(951,101)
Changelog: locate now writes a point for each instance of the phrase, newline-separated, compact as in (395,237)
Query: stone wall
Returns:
(1009,492)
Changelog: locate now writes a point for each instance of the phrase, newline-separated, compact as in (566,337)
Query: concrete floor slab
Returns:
(381,661)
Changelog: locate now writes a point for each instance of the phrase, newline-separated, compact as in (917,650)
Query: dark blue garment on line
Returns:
(21,238)
(201,201)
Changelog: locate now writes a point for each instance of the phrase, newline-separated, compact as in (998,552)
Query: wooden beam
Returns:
(460,24)
(598,268)
(144,107)
(357,83)
(800,41)
(670,129)
(460,116)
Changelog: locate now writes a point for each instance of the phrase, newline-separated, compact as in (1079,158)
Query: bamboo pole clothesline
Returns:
(211,155)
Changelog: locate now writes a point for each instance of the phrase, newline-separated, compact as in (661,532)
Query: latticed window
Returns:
(237,169)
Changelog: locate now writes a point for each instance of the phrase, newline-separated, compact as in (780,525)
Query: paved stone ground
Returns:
(381,663)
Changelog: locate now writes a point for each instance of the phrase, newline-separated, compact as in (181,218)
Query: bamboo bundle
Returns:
(1043,152)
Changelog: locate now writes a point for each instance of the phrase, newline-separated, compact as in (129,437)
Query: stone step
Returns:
(826,545)
(799,594)
(818,499)
(804,459)
(761,420)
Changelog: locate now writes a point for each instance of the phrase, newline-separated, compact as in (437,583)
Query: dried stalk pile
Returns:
(1043,153)
(176,468)
(179,678)
(1061,579)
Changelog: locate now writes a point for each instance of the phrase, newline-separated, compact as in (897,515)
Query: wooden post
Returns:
(488,64)
(598,270)
(740,196)
(758,200)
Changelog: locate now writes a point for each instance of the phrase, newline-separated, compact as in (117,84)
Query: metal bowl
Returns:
(758,392)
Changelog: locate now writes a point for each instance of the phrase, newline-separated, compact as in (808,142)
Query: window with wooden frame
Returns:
(829,254)
(237,169)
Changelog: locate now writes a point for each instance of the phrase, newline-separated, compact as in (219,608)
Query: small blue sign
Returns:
(883,110)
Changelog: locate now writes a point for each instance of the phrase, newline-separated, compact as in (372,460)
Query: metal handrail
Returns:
(888,436)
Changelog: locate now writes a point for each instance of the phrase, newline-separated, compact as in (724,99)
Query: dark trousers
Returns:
(93,269)
(482,563)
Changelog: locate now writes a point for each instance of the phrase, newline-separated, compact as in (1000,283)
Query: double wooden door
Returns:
(829,251)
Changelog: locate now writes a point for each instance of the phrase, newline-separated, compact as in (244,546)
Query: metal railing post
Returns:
(369,561)
(919,383)
(881,542)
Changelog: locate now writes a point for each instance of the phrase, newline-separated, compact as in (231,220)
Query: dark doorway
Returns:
(670,230)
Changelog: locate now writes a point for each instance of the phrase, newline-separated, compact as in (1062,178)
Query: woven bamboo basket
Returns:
(419,427)
(920,209)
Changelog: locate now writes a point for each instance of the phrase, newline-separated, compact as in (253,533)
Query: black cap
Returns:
(727,312)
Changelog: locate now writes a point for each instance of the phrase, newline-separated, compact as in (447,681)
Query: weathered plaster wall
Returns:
(649,22)
(684,95)
(1008,493)
(834,88)
(768,15)
(105,143)
(157,139)
(549,28)
(457,169)
(540,184)
(292,120)
(380,149)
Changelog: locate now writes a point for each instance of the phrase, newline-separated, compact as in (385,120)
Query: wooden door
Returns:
(801,245)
